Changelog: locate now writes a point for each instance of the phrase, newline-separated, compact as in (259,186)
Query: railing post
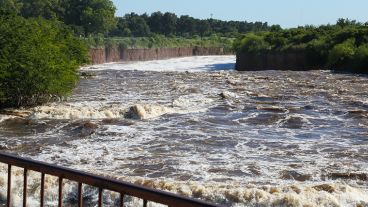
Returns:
(100,191)
(60,202)
(80,197)
(121,200)
(25,187)
(8,201)
(42,204)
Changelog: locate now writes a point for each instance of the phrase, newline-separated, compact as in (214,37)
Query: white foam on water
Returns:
(119,129)
(77,111)
(5,117)
(140,111)
(298,195)
(190,64)
(194,103)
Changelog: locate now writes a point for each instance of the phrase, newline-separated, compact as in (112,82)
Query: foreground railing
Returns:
(82,178)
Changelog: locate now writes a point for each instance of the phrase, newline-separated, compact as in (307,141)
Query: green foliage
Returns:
(38,59)
(49,9)
(84,16)
(9,7)
(254,43)
(360,59)
(338,47)
(169,20)
(341,53)
(131,25)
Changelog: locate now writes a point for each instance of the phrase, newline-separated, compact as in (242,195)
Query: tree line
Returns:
(91,17)
(340,47)
(169,24)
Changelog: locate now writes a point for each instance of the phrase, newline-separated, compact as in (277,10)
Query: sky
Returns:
(287,13)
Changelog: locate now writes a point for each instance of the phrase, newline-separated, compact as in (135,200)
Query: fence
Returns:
(82,178)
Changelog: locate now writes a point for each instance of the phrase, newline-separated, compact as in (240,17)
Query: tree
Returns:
(169,22)
(48,9)
(137,25)
(203,27)
(346,22)
(9,7)
(122,28)
(185,25)
(155,23)
(93,16)
(38,59)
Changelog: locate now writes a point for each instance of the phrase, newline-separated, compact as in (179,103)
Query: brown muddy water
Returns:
(196,127)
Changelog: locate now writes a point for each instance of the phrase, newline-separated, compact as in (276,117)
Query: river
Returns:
(195,126)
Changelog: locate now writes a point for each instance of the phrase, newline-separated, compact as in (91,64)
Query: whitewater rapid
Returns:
(195,126)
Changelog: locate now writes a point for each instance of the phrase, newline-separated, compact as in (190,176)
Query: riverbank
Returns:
(341,48)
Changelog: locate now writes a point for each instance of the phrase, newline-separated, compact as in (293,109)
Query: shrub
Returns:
(254,43)
(38,59)
(341,54)
(360,60)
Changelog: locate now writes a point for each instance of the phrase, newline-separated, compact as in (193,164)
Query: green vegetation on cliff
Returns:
(160,41)
(340,47)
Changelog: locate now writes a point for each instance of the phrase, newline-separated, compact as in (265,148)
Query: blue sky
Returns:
(287,13)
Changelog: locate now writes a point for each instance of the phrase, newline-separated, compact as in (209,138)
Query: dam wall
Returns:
(274,61)
(116,54)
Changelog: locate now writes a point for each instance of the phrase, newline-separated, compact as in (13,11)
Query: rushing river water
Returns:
(196,127)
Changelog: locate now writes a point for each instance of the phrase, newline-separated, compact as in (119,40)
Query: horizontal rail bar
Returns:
(125,188)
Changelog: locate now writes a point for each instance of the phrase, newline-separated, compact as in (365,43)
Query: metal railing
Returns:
(82,178)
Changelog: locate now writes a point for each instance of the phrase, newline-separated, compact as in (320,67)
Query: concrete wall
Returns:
(273,61)
(115,54)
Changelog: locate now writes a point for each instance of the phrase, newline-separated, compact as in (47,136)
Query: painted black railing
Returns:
(82,178)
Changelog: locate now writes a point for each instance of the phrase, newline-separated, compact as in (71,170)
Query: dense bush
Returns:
(38,60)
(338,47)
